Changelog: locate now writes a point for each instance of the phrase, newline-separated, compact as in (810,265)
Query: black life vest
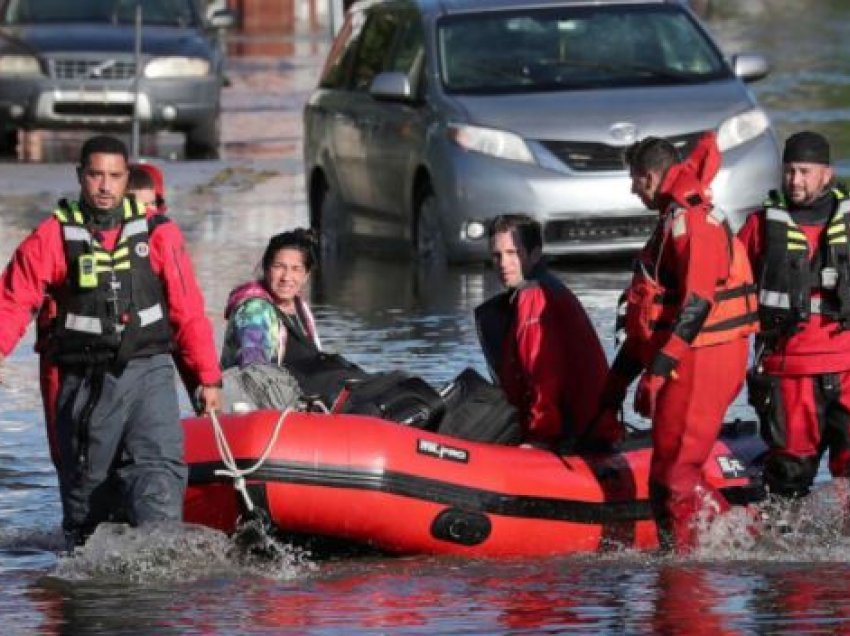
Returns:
(790,273)
(111,306)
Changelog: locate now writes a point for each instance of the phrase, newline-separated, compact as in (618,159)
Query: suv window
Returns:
(409,53)
(574,48)
(161,12)
(373,52)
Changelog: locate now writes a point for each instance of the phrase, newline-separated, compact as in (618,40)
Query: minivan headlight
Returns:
(741,128)
(489,141)
(177,67)
(19,65)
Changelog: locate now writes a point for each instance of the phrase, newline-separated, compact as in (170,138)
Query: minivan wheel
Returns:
(429,242)
(332,223)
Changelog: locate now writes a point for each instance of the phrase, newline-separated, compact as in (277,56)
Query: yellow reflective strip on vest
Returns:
(128,209)
(122,252)
(120,267)
(798,247)
(59,213)
(102,257)
(77,212)
(103,269)
(837,240)
(835,228)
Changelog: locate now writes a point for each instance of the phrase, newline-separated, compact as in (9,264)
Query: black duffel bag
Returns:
(343,387)
(323,377)
(478,411)
(396,396)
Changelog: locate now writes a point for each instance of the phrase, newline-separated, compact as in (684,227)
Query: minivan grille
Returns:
(601,229)
(583,156)
(77,69)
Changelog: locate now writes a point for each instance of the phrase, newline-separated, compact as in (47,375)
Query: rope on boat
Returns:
(231,469)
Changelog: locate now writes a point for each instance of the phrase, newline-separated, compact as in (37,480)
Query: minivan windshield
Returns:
(160,12)
(574,48)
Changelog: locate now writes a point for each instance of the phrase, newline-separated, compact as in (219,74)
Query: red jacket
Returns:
(548,361)
(819,345)
(690,253)
(39,264)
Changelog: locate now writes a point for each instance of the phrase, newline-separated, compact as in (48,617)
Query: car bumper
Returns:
(583,214)
(162,104)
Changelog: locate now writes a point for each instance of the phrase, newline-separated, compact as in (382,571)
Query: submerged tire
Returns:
(203,139)
(332,223)
(428,241)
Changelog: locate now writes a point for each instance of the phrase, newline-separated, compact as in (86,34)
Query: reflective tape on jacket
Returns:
(791,278)
(653,309)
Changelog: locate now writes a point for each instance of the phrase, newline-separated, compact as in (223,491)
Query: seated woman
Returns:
(272,354)
(268,321)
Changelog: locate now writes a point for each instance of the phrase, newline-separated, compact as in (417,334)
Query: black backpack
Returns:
(478,411)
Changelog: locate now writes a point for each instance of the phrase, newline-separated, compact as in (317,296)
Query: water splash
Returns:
(173,552)
(813,529)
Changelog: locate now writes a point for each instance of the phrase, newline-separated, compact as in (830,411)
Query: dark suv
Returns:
(70,64)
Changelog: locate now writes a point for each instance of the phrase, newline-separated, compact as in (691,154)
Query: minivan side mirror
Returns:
(750,66)
(391,85)
(223,19)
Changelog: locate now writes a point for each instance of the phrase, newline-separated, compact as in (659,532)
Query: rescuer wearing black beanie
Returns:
(799,247)
(806,147)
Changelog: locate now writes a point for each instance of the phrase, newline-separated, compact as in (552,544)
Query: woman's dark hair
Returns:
(523,227)
(300,239)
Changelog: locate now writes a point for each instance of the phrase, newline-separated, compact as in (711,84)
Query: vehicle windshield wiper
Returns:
(641,69)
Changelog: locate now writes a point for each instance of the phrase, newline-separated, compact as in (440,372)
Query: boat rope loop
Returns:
(230,468)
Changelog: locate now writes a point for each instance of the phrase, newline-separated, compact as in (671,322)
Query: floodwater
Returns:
(383,314)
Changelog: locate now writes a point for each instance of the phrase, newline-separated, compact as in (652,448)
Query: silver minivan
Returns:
(433,116)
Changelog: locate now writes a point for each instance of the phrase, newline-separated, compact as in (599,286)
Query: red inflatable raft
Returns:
(408,491)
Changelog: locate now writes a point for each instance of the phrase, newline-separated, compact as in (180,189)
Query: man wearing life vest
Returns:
(798,246)
(125,292)
(690,307)
(146,183)
(540,344)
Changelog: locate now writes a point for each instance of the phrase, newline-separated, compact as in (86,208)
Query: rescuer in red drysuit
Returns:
(691,306)
(800,387)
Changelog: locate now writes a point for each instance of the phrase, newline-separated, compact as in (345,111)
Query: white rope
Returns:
(231,469)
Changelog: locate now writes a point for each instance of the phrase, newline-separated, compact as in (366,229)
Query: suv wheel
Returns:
(429,242)
(202,139)
(8,142)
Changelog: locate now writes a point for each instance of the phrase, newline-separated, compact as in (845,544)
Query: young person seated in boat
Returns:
(268,320)
(540,345)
